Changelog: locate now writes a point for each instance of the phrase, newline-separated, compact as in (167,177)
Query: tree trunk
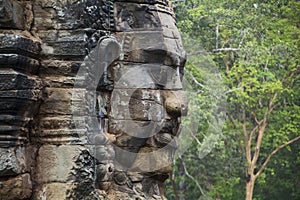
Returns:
(250,187)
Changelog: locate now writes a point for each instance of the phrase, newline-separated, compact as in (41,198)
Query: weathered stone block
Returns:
(152,47)
(27,95)
(19,45)
(16,14)
(163,2)
(59,67)
(139,129)
(52,191)
(175,53)
(19,104)
(64,94)
(12,80)
(67,101)
(143,47)
(19,63)
(61,191)
(167,21)
(129,141)
(143,94)
(13,120)
(63,122)
(13,161)
(132,16)
(63,44)
(148,76)
(125,157)
(12,136)
(144,161)
(133,109)
(19,187)
(61,136)
(74,14)
(56,163)
(59,82)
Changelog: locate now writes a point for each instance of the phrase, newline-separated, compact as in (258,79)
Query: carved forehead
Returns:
(149,31)
(151,47)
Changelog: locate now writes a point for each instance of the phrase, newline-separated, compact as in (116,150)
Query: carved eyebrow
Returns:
(163,75)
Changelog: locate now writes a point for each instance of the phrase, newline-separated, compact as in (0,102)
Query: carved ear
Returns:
(108,52)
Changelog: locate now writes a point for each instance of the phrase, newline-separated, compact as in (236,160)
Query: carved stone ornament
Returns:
(90,98)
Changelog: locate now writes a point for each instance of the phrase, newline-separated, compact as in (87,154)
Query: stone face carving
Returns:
(90,98)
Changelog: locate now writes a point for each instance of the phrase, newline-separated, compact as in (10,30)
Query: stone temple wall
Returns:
(90,98)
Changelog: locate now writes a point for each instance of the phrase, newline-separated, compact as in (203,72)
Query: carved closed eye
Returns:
(159,76)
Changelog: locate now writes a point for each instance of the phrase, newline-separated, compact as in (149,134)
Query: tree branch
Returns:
(261,132)
(217,36)
(195,80)
(191,177)
(172,179)
(226,49)
(273,153)
(255,118)
(291,75)
(194,136)
(261,129)
(232,121)
(247,143)
(254,130)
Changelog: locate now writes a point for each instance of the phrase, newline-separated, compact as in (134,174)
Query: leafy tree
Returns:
(256,47)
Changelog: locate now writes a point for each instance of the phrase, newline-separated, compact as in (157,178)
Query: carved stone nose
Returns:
(176,103)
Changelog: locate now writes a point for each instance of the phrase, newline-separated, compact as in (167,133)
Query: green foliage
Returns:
(255,46)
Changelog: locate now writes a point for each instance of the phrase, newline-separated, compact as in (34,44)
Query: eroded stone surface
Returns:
(54,163)
(90,98)
(13,161)
(19,187)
